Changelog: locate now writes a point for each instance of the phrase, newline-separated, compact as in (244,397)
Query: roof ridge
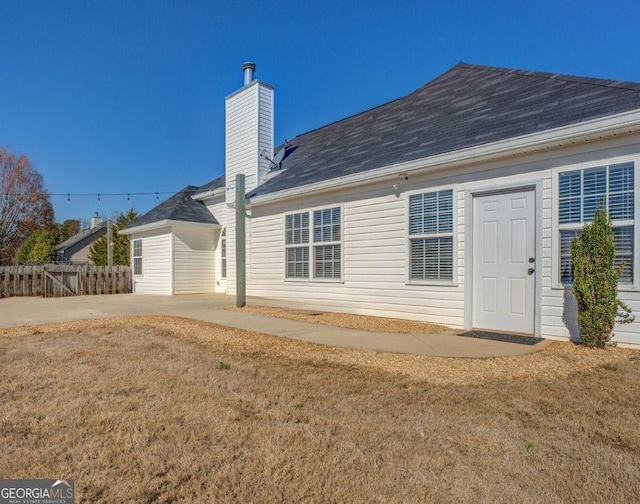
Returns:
(185,195)
(609,83)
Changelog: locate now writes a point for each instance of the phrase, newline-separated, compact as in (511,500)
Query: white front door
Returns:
(504,235)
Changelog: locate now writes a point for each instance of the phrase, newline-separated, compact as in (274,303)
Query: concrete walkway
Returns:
(33,311)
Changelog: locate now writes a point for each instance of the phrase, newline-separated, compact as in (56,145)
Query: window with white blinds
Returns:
(327,262)
(324,241)
(581,192)
(431,236)
(223,254)
(296,243)
(137,256)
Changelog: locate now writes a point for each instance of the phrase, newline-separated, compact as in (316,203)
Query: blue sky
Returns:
(128,96)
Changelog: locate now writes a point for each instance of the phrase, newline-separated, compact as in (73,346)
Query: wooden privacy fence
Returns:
(56,280)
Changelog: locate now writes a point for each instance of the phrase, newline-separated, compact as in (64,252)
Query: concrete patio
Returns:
(19,311)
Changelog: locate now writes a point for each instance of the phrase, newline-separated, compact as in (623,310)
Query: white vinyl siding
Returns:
(265,130)
(431,236)
(193,259)
(156,259)
(218,208)
(137,256)
(249,131)
(375,252)
(580,193)
(373,260)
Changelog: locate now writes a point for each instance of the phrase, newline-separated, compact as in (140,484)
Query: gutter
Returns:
(596,129)
(165,223)
(209,194)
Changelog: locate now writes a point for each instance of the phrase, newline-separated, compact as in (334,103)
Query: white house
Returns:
(455,204)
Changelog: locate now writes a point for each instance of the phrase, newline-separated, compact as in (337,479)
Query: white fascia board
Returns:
(194,224)
(209,194)
(165,223)
(618,124)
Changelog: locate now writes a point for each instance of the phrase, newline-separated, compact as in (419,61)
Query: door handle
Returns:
(530,271)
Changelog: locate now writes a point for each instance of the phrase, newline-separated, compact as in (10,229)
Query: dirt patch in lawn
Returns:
(165,409)
(347,320)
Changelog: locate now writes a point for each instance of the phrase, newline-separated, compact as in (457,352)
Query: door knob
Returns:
(532,260)
(530,271)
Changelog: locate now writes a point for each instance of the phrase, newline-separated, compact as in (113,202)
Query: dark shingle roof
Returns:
(468,105)
(210,186)
(69,242)
(179,207)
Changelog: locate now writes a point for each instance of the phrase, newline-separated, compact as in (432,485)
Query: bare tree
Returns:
(25,205)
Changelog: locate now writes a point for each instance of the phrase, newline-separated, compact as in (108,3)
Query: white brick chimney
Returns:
(248,132)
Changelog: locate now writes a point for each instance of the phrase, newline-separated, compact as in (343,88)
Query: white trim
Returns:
(172,255)
(223,237)
(596,129)
(312,244)
(533,183)
(134,257)
(252,83)
(454,232)
(555,217)
(256,162)
(209,194)
(166,223)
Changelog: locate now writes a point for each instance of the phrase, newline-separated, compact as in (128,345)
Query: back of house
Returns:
(455,204)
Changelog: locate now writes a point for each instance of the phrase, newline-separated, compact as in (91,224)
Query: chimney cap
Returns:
(248,66)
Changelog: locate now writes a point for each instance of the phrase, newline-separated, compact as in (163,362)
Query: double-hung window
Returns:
(581,192)
(327,254)
(223,253)
(431,236)
(316,242)
(297,245)
(137,256)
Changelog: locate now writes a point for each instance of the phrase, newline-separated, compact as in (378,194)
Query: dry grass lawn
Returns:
(347,320)
(167,409)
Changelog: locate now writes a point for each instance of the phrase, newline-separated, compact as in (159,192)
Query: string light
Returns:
(98,197)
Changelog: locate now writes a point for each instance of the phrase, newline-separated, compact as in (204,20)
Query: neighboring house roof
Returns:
(469,105)
(179,207)
(70,242)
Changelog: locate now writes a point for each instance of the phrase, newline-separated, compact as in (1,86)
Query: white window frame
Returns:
(302,245)
(223,254)
(454,235)
(134,256)
(556,227)
(312,244)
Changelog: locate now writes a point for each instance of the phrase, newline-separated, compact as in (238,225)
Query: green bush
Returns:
(39,247)
(98,253)
(595,282)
